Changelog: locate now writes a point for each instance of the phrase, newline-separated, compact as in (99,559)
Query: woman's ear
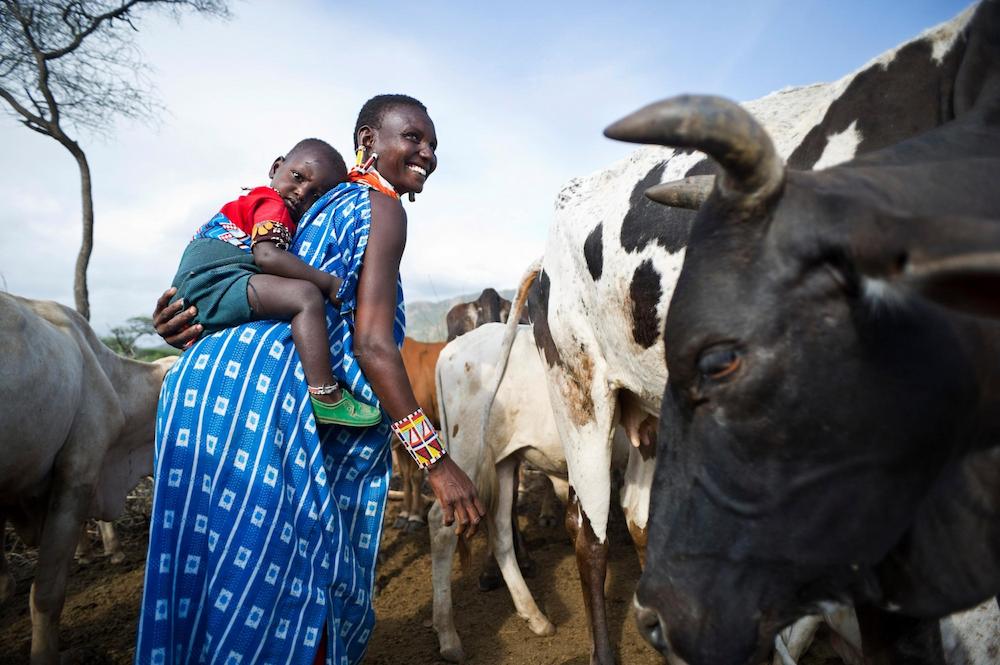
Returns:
(366,137)
(275,166)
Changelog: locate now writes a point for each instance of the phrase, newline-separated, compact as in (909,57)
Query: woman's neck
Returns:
(373,179)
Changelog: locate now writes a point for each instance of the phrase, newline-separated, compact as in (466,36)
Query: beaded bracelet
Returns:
(271,231)
(419,438)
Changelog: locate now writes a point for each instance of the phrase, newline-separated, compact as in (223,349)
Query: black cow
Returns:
(489,307)
(830,430)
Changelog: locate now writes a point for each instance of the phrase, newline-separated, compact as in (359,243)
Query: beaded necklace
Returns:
(373,179)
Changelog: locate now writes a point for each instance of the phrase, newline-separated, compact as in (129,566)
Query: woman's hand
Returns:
(457,496)
(174,325)
(377,354)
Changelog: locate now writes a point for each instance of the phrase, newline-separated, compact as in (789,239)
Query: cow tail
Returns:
(486,474)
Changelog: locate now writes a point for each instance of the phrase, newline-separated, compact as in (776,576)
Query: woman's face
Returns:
(406,145)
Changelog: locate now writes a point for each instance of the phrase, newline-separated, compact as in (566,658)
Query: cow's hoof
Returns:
(413,526)
(117,558)
(7,586)
(490,580)
(606,658)
(400,522)
(541,626)
(85,560)
(453,655)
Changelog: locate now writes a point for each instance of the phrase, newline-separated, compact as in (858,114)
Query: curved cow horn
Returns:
(716,126)
(688,192)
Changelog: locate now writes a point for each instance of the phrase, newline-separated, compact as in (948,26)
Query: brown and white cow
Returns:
(613,258)
(76,434)
(829,429)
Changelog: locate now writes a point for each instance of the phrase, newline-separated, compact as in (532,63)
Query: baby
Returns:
(236,270)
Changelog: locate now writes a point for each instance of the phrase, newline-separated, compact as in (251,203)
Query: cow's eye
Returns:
(719,362)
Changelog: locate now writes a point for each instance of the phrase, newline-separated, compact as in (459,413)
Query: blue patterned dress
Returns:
(265,527)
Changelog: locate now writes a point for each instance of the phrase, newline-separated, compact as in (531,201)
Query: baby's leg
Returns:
(301,303)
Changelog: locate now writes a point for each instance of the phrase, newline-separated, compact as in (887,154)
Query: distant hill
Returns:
(425,321)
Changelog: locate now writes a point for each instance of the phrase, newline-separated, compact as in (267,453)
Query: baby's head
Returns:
(309,170)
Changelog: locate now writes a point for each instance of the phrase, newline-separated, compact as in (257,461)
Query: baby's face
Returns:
(300,179)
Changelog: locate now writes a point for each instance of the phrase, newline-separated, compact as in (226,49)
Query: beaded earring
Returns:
(367,165)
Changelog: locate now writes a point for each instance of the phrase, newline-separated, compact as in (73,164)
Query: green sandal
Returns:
(348,411)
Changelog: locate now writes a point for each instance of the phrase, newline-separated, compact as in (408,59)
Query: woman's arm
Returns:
(381,362)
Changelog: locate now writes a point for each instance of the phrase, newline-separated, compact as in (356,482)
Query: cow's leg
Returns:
(791,643)
(503,548)
(415,518)
(64,519)
(592,562)
(84,553)
(636,487)
(892,639)
(7,583)
(491,577)
(524,560)
(112,546)
(845,634)
(443,542)
(547,513)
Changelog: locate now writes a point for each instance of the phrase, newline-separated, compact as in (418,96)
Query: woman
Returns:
(265,527)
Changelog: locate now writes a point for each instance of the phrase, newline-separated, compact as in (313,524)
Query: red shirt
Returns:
(260,204)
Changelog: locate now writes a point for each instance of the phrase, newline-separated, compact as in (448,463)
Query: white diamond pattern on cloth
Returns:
(241,570)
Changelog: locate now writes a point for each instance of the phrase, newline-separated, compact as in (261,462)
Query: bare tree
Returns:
(74,64)
(124,336)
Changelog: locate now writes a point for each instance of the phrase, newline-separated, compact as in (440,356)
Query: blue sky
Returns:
(519,93)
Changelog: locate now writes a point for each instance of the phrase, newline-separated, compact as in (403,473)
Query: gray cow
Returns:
(76,434)
(829,430)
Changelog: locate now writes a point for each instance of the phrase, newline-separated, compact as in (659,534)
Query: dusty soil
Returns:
(102,603)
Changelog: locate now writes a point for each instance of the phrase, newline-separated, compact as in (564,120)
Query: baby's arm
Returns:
(274,261)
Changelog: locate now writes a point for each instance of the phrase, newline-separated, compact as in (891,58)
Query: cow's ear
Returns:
(969,282)
(953,262)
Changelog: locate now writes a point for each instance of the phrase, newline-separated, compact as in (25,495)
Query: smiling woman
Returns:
(266,525)
(408,144)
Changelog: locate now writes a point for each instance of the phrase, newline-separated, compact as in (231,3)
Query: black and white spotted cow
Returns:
(829,430)
(613,258)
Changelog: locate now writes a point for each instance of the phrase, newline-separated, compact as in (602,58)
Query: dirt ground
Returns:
(102,603)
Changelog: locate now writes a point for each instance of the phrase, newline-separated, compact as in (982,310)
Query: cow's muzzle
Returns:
(650,626)
(652,630)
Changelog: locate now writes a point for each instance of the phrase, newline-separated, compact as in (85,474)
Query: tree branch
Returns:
(44,131)
(25,113)
(96,22)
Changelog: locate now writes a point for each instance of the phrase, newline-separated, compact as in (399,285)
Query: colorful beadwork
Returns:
(271,231)
(419,438)
(371,177)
